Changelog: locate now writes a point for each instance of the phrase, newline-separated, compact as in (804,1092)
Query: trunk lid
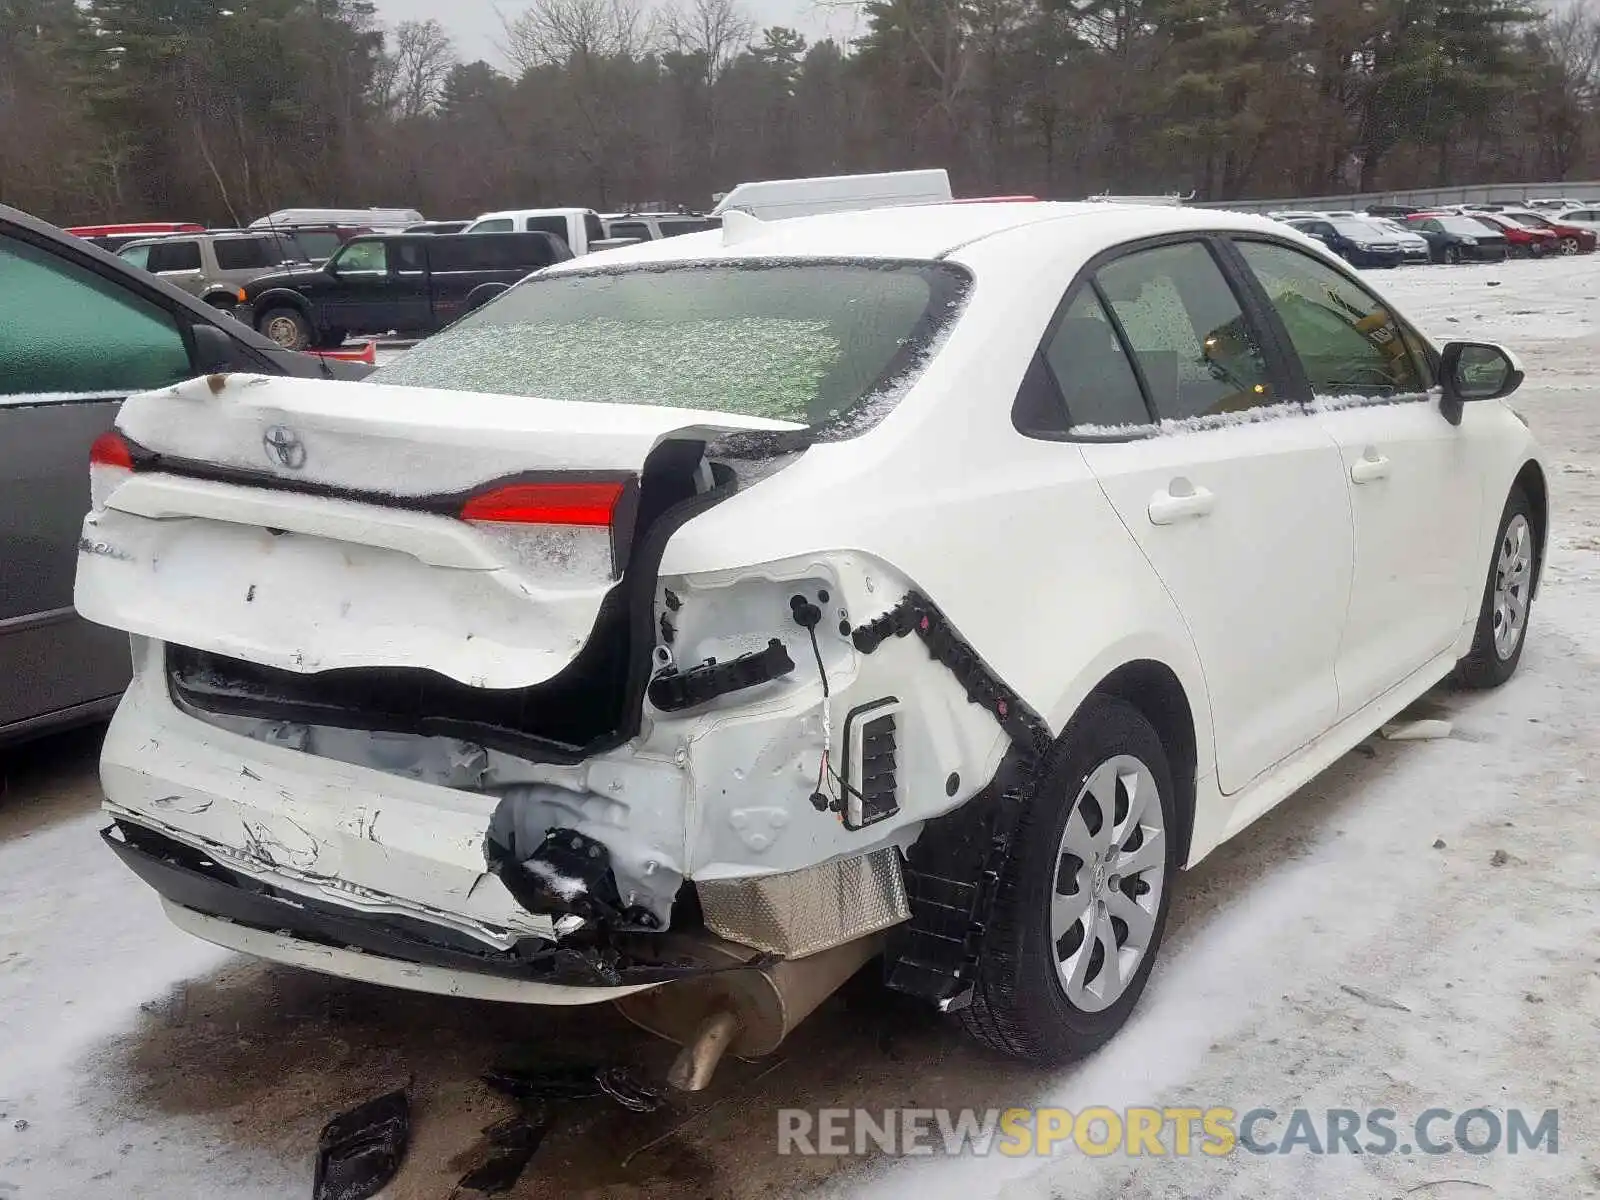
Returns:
(316,525)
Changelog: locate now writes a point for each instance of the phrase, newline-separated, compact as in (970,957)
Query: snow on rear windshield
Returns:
(796,341)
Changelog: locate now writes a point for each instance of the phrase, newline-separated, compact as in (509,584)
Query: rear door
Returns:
(72,345)
(179,262)
(1414,492)
(1236,498)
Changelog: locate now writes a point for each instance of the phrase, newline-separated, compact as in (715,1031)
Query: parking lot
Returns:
(1334,954)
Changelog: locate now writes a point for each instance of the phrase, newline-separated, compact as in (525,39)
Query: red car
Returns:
(1525,240)
(1571,239)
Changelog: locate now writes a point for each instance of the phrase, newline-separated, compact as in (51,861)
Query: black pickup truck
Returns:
(409,283)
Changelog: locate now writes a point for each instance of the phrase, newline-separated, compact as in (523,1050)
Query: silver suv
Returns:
(212,265)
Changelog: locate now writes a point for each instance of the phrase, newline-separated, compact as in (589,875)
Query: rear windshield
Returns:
(795,341)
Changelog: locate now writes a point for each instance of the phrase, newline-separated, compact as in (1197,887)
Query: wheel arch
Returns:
(1154,689)
(1532,482)
(283,298)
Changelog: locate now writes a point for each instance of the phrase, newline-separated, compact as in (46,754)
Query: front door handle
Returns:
(1179,502)
(1370,467)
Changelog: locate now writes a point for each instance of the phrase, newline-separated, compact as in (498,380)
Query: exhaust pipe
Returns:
(747,1012)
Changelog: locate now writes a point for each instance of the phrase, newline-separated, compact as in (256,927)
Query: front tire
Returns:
(288,327)
(1569,245)
(1507,599)
(1083,901)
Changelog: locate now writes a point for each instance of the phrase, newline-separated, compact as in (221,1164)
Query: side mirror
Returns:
(215,351)
(1475,371)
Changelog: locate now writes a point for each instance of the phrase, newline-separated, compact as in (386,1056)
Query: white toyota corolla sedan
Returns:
(699,621)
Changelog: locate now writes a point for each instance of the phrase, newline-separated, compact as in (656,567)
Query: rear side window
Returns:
(409,256)
(1345,337)
(632,229)
(674,228)
(65,329)
(245,254)
(1093,374)
(497,225)
(555,225)
(174,256)
(139,256)
(1198,353)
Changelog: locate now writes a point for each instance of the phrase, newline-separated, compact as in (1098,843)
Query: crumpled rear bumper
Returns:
(192,884)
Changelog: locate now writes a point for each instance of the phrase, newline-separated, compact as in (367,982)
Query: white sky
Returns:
(476,24)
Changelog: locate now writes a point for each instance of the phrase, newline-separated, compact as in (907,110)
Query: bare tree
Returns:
(413,77)
(562,32)
(715,31)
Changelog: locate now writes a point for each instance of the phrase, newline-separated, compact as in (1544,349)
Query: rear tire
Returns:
(1505,610)
(1044,992)
(288,327)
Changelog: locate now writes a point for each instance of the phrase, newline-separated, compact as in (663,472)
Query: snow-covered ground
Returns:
(139,1063)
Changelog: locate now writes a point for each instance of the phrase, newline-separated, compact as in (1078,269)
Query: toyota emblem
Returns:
(284,447)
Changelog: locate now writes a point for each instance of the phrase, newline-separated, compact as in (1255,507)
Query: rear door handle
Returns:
(1370,467)
(1179,502)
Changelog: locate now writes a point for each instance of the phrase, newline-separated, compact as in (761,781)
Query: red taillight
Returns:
(546,504)
(109,450)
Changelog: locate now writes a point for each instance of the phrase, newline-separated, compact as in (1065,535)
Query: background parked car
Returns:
(114,237)
(651,226)
(1453,238)
(1524,240)
(213,265)
(437,227)
(79,330)
(1361,243)
(411,283)
(1413,247)
(1585,216)
(1573,239)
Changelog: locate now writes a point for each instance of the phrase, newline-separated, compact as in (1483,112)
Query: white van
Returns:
(773,199)
(379,220)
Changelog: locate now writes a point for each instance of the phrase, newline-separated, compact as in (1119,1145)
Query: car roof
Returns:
(924,231)
(531,212)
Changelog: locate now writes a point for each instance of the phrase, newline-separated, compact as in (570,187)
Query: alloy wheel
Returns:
(1110,872)
(1513,576)
(1569,245)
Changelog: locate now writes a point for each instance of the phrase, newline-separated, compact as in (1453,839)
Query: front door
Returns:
(1237,501)
(72,345)
(1413,493)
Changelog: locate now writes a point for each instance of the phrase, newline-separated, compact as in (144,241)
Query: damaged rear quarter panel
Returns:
(1010,536)
(754,757)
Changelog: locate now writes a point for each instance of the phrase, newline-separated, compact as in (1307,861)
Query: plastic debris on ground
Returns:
(538,1091)
(361,1150)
